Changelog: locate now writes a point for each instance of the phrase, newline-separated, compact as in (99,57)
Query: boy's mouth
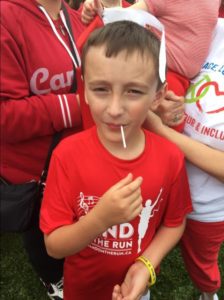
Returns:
(115,126)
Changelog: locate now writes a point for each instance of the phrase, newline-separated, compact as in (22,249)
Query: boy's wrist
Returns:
(100,218)
(149,267)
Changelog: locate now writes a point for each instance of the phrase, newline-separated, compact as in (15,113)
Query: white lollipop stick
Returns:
(123,137)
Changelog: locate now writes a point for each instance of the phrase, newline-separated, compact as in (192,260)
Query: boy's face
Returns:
(119,91)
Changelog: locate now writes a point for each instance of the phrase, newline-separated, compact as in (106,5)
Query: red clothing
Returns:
(200,246)
(81,171)
(125,3)
(221,11)
(35,69)
(188,26)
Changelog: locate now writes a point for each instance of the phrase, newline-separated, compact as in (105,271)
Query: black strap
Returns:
(67,18)
(55,141)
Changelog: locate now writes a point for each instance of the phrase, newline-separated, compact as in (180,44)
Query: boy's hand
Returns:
(121,203)
(90,9)
(134,285)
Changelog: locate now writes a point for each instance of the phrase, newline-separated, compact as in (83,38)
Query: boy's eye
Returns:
(135,92)
(100,89)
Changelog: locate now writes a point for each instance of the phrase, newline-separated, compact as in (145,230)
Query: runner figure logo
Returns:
(146,214)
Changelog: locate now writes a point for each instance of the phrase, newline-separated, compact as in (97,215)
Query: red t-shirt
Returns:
(81,171)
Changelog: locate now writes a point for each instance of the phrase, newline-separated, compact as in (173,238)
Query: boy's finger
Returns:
(131,188)
(116,293)
(123,182)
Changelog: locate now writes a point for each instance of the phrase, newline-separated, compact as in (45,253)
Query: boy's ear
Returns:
(160,94)
(85,96)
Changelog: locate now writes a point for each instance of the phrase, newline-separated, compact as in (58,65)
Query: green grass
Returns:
(19,282)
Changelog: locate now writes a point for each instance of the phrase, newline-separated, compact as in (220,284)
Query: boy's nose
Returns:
(115,107)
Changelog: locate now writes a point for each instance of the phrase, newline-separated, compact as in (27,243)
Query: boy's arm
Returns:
(121,203)
(165,239)
(137,278)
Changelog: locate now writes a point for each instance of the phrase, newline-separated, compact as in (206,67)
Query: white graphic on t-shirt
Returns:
(87,202)
(119,239)
(145,217)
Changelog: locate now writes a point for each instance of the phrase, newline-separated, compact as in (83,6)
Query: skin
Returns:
(52,7)
(171,105)
(116,100)
(93,7)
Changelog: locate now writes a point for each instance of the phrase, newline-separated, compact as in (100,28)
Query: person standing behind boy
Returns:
(37,98)
(203,145)
(100,180)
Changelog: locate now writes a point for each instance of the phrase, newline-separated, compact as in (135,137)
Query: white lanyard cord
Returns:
(71,37)
(61,40)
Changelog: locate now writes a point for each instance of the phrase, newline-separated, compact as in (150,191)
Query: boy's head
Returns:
(120,68)
(128,37)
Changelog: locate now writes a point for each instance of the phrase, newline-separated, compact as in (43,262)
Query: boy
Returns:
(116,195)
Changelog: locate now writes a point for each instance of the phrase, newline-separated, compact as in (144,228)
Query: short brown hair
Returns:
(124,36)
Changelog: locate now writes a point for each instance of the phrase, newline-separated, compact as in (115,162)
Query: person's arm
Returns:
(23,114)
(121,203)
(204,157)
(91,8)
(137,278)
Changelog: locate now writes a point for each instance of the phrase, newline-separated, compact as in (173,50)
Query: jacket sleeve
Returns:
(23,115)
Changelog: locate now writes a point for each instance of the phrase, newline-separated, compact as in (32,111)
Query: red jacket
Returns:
(221,11)
(35,95)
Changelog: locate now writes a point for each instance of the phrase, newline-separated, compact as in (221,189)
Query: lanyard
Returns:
(74,53)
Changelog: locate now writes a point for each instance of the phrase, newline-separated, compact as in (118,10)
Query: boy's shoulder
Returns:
(161,141)
(163,146)
(73,143)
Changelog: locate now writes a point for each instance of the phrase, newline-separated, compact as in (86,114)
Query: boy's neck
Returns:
(135,147)
(52,7)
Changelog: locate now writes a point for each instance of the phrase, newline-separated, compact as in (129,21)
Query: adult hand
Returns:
(171,109)
(134,285)
(90,9)
(121,203)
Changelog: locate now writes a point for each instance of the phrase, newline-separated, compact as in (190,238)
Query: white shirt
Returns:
(205,123)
